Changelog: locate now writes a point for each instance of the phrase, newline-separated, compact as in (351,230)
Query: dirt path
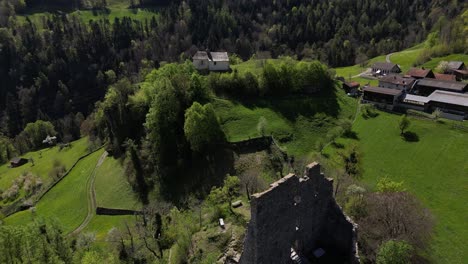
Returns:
(92,204)
(366,72)
(387,58)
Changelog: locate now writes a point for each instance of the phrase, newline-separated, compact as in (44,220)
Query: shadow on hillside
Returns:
(410,136)
(293,106)
(200,174)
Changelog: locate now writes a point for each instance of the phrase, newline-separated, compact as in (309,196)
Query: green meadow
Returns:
(67,201)
(434,168)
(43,163)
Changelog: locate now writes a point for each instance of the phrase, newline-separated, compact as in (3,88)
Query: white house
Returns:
(200,60)
(219,61)
(213,61)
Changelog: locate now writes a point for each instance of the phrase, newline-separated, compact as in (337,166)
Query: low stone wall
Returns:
(112,211)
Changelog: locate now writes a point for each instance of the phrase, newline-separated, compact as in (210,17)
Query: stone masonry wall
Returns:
(298,213)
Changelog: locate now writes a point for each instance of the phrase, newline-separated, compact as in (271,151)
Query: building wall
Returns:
(201,64)
(219,65)
(300,213)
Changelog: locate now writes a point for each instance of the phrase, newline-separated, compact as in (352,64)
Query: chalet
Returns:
(380,96)
(213,61)
(445,77)
(16,162)
(383,68)
(420,73)
(425,87)
(395,81)
(351,87)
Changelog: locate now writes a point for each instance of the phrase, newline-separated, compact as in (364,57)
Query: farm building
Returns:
(16,162)
(445,77)
(213,61)
(382,97)
(395,81)
(457,68)
(351,87)
(383,68)
(420,73)
(426,87)
(452,105)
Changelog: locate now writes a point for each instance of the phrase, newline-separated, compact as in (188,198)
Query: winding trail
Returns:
(92,204)
(387,58)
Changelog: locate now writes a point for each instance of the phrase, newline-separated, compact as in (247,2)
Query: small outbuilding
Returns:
(351,87)
(380,96)
(17,162)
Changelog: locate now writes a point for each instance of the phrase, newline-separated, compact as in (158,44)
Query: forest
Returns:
(57,68)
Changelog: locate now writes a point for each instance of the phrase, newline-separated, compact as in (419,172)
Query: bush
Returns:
(394,252)
(369,111)
(58,170)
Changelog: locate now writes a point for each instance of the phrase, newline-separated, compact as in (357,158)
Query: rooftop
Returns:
(384,65)
(201,55)
(420,73)
(449,98)
(382,90)
(455,65)
(411,98)
(352,84)
(441,84)
(445,77)
(219,56)
(397,79)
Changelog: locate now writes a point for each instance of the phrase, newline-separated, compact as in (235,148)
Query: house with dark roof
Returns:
(213,61)
(351,87)
(420,73)
(16,162)
(383,97)
(383,68)
(395,81)
(457,68)
(427,86)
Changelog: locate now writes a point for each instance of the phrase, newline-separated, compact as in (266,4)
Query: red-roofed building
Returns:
(445,77)
(420,73)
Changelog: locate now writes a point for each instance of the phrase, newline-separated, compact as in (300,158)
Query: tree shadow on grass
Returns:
(410,136)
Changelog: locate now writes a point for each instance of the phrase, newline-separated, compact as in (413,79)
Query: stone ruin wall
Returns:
(300,213)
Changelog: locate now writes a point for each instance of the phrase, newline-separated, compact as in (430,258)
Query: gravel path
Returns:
(92,204)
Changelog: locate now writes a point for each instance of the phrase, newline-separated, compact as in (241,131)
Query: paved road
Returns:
(92,204)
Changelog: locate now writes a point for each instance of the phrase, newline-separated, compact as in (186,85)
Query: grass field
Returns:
(116,9)
(43,163)
(434,169)
(302,120)
(112,187)
(100,225)
(67,201)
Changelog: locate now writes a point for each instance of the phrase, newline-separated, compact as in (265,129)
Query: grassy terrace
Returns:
(434,169)
(298,122)
(112,187)
(67,201)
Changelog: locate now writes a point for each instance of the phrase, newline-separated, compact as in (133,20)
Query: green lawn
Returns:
(43,163)
(432,64)
(67,201)
(434,169)
(302,120)
(102,224)
(406,58)
(112,187)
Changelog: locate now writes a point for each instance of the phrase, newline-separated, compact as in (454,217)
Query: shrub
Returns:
(369,111)
(394,252)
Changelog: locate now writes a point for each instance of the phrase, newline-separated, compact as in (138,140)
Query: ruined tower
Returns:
(299,214)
